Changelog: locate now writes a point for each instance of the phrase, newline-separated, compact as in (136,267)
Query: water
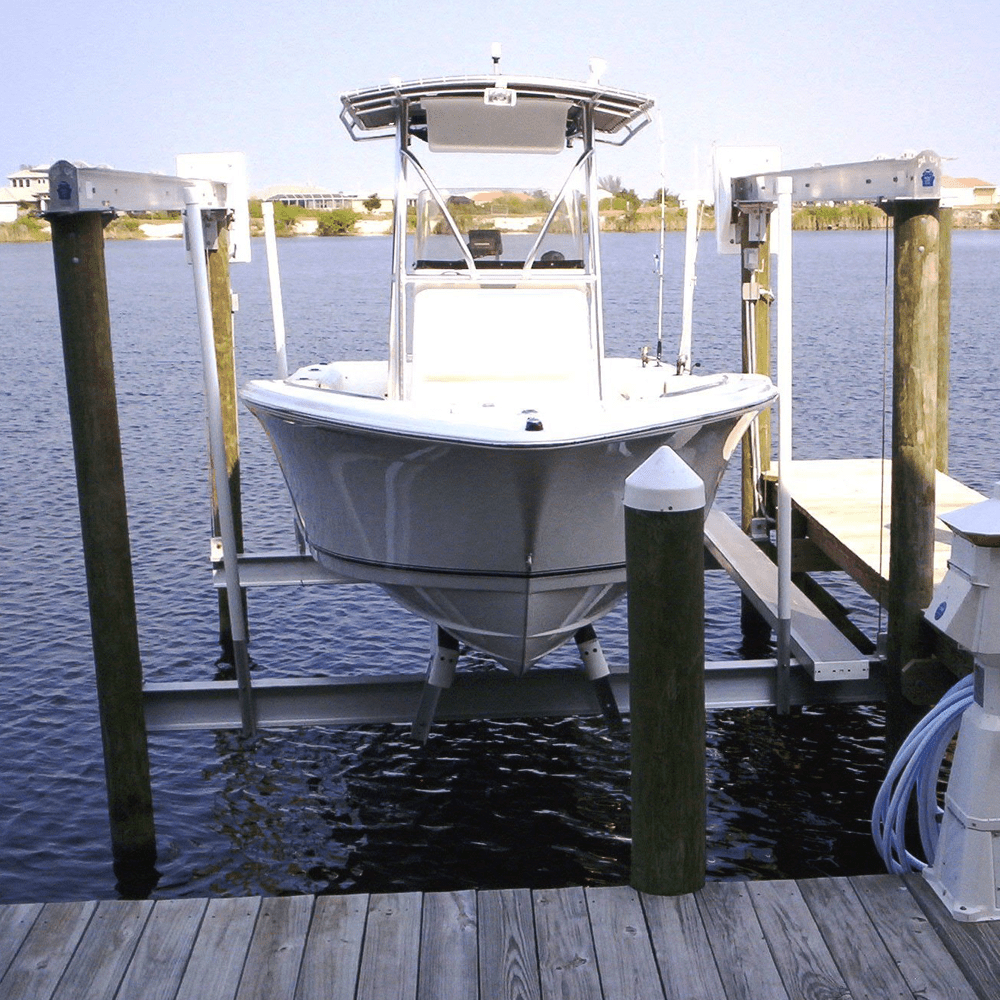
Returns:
(514,804)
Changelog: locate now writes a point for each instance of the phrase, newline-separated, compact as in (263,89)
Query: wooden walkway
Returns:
(873,937)
(845,504)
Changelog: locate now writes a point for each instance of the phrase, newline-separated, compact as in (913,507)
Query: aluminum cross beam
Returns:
(98,189)
(912,179)
(559,692)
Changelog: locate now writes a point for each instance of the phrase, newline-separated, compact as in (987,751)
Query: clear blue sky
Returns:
(132,85)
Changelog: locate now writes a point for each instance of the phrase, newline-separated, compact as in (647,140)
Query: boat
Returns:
(476,473)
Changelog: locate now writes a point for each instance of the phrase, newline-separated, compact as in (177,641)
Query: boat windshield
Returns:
(499,228)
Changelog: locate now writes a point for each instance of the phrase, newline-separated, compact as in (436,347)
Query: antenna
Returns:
(597,67)
(495,53)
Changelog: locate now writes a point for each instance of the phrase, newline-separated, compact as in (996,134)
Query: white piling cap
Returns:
(980,522)
(664,482)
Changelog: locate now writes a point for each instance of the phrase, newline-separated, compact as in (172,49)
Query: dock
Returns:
(841,522)
(878,936)
(844,506)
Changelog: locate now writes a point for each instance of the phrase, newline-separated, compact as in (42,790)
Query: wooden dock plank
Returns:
(853,941)
(681,947)
(802,958)
(275,955)
(975,947)
(45,952)
(742,956)
(508,956)
(105,950)
(158,965)
(875,937)
(622,943)
(220,950)
(918,951)
(846,503)
(332,953)
(391,951)
(567,965)
(15,922)
(449,956)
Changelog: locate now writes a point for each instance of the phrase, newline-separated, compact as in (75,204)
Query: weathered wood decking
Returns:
(819,939)
(845,504)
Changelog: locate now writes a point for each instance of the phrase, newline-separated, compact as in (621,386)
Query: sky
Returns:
(130,86)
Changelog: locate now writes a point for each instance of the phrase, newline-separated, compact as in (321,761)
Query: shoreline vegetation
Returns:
(618,214)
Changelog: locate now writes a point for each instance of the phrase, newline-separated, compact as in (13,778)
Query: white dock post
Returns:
(196,243)
(665,567)
(783,632)
(691,204)
(274,288)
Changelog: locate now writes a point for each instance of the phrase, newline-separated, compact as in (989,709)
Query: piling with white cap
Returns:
(665,566)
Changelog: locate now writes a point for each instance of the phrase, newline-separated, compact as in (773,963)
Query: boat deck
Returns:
(872,936)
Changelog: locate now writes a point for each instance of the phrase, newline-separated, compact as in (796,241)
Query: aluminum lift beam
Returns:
(98,189)
(912,179)
(544,692)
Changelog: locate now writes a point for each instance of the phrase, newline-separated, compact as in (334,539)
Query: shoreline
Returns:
(846,218)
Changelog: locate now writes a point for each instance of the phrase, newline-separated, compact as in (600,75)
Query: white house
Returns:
(967,192)
(30,182)
(26,186)
(9,204)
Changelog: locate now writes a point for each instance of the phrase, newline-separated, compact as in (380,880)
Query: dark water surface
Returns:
(483,804)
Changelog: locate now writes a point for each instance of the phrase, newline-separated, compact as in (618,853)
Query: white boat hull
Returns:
(511,541)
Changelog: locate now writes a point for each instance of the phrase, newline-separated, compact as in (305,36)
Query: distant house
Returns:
(33,181)
(9,204)
(27,186)
(307,196)
(967,192)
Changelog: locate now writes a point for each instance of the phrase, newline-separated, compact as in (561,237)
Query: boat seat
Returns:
(490,345)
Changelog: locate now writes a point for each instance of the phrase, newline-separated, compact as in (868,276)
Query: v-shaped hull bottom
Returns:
(515,620)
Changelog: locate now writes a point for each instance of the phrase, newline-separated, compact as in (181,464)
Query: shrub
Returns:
(285,217)
(670,200)
(339,222)
(26,229)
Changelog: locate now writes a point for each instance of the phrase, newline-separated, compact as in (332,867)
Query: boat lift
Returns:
(814,665)
(750,183)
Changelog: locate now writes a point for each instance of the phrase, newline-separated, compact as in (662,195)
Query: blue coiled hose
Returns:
(916,768)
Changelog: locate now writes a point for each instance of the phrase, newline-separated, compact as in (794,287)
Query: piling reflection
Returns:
(791,796)
(136,874)
(529,803)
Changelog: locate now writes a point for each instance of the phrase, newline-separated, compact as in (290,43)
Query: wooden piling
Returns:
(914,451)
(755,281)
(220,289)
(665,566)
(81,288)
(945,220)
